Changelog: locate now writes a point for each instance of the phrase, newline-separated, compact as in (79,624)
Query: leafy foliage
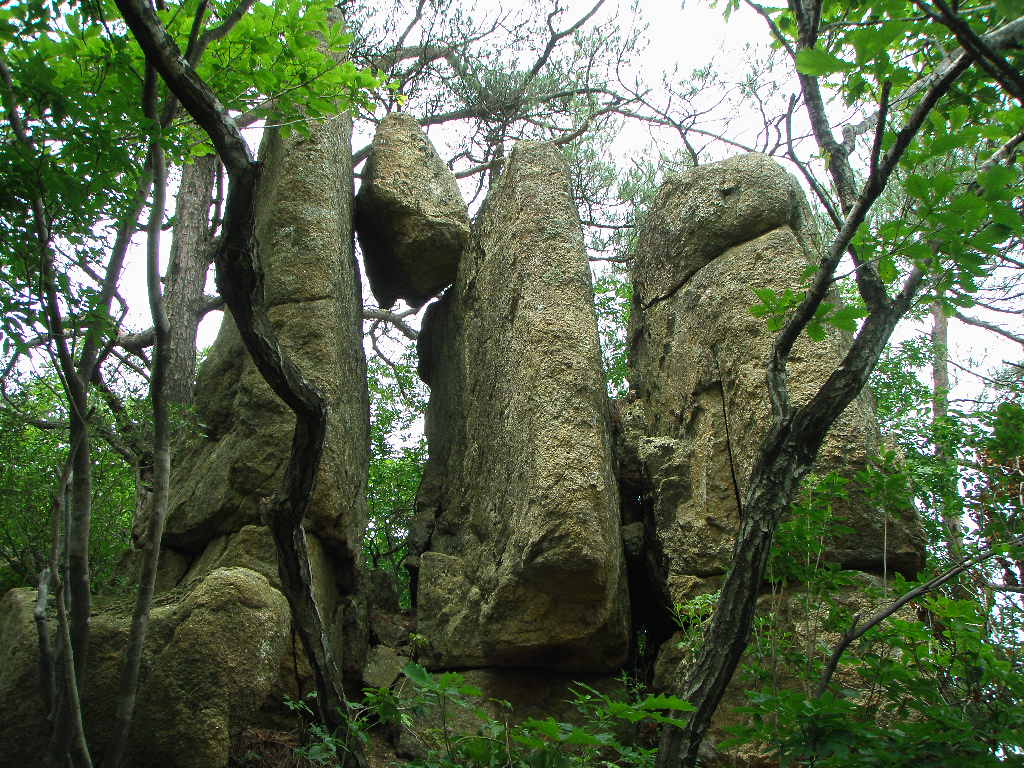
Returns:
(31,458)
(397,454)
(457,728)
(937,683)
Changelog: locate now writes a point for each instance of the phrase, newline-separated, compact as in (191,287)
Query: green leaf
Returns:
(417,674)
(670,703)
(1007,215)
(997,180)
(942,184)
(917,186)
(814,61)
(845,318)
(815,330)
(887,268)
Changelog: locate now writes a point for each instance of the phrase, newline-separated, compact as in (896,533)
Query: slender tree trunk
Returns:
(80,756)
(186,275)
(159,379)
(73,593)
(78,532)
(951,509)
(185,280)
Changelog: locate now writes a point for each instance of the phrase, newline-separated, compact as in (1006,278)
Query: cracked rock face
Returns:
(303,224)
(410,217)
(715,234)
(517,536)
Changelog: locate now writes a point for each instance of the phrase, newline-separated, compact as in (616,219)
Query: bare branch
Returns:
(372,313)
(858,629)
(989,327)
(136,342)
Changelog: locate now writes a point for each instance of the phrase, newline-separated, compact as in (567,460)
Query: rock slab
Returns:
(410,217)
(517,533)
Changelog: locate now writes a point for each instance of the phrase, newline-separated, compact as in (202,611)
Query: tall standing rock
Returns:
(410,217)
(303,225)
(518,511)
(715,234)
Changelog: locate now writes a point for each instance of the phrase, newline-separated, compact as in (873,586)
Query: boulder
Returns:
(517,532)
(212,659)
(221,476)
(383,666)
(716,234)
(410,217)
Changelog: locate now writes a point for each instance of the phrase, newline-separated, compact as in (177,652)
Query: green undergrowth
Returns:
(448,723)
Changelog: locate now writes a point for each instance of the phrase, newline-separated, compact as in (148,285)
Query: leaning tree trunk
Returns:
(240,280)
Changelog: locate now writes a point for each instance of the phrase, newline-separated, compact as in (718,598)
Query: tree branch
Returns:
(372,313)
(989,327)
(858,629)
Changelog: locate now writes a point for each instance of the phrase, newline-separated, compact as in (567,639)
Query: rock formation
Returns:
(304,214)
(714,235)
(545,540)
(411,220)
(690,431)
(520,555)
(212,659)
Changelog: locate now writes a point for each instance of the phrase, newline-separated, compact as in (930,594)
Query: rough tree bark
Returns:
(186,275)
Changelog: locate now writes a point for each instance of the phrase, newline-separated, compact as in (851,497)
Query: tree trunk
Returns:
(186,276)
(949,501)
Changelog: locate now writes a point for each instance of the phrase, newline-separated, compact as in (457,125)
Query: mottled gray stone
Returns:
(714,235)
(518,513)
(410,217)
(303,224)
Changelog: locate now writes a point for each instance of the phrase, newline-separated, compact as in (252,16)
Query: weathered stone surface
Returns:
(715,234)
(383,666)
(211,659)
(304,229)
(410,217)
(253,548)
(518,513)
